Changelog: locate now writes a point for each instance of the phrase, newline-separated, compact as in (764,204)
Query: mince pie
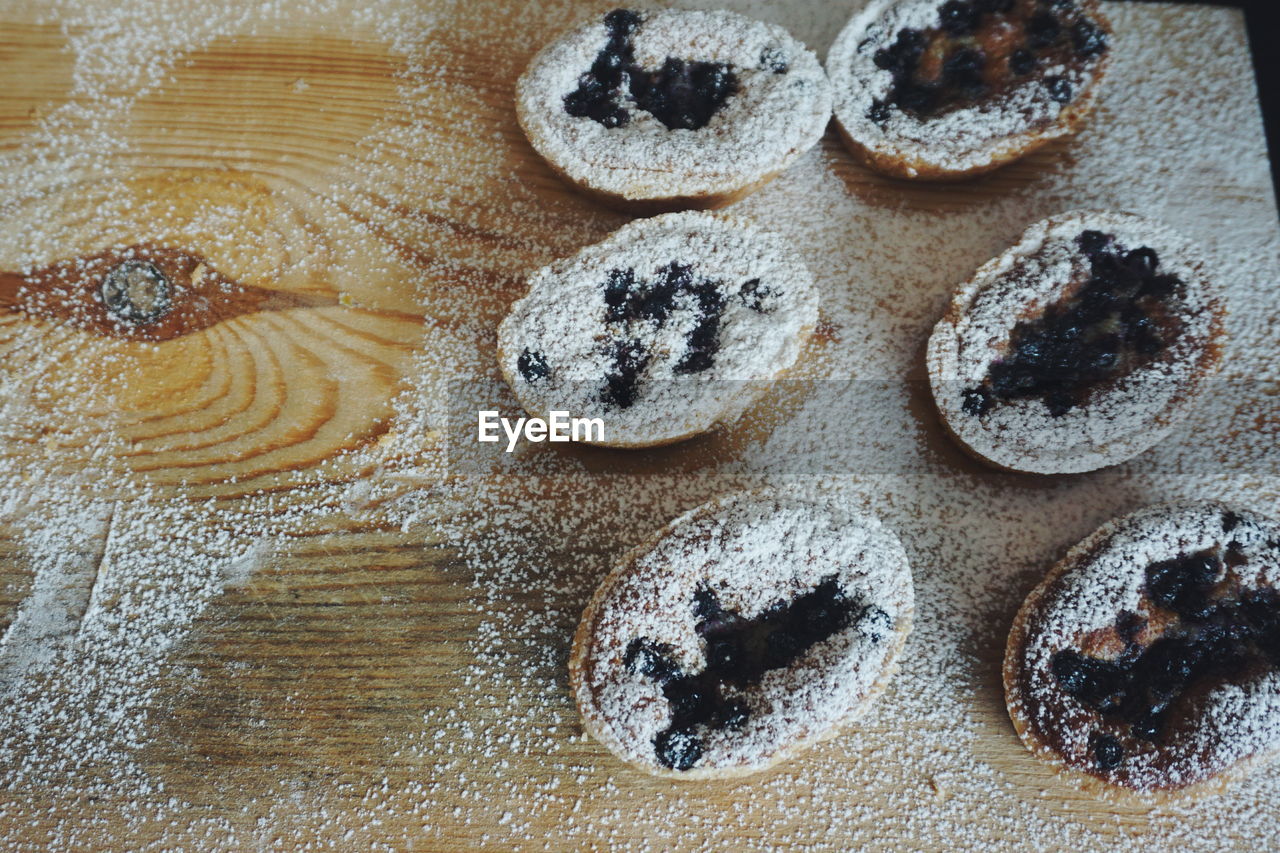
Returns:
(654,111)
(929,89)
(744,631)
(1078,348)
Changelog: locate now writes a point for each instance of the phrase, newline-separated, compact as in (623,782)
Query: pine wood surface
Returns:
(302,684)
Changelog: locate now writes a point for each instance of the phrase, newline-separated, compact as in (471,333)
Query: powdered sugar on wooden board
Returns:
(934,763)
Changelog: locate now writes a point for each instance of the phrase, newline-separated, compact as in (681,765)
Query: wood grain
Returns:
(307,689)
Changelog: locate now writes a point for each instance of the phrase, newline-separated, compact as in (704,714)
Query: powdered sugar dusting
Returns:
(1131,415)
(956,141)
(497,759)
(1233,721)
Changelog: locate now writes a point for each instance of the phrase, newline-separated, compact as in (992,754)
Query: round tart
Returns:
(665,328)
(744,631)
(663,110)
(1148,661)
(1080,347)
(929,89)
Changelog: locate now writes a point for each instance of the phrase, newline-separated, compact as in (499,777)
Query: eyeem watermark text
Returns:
(559,427)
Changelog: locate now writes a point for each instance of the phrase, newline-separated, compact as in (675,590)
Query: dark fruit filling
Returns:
(1059,89)
(1217,634)
(1117,322)
(136,292)
(681,94)
(775,59)
(599,93)
(684,93)
(755,296)
(980,49)
(630,358)
(532,366)
(739,651)
(677,749)
(628,300)
(1107,751)
(704,339)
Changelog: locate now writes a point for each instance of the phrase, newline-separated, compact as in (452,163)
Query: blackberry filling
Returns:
(739,650)
(959,18)
(677,749)
(1107,751)
(650,659)
(136,292)
(979,50)
(977,401)
(1022,62)
(628,300)
(1088,38)
(1043,30)
(775,59)
(704,339)
(682,94)
(630,358)
(599,92)
(1215,635)
(1059,89)
(1116,322)
(756,296)
(532,366)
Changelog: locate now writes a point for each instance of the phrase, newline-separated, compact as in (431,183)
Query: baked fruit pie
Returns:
(669,326)
(1148,660)
(744,631)
(663,110)
(929,89)
(1078,348)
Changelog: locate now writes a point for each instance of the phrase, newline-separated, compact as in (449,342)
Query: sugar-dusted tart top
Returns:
(1080,346)
(653,104)
(1150,657)
(955,85)
(668,326)
(749,627)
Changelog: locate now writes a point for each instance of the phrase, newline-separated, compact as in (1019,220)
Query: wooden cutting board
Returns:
(357,168)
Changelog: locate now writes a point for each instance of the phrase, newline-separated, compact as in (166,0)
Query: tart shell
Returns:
(956,344)
(597,725)
(902,157)
(764,128)
(1019,705)
(800,318)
